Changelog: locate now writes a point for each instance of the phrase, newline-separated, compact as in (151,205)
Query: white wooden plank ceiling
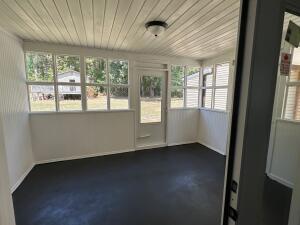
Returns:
(197,28)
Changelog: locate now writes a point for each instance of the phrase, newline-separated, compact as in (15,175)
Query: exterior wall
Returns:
(213,125)
(14,109)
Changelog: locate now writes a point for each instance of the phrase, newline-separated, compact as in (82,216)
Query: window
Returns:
(150,99)
(68,83)
(214,89)
(97,83)
(40,81)
(185,86)
(55,83)
(118,84)
(105,92)
(292,102)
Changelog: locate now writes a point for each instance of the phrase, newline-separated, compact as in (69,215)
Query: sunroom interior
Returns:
(86,84)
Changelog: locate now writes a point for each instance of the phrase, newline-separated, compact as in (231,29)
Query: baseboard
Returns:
(182,143)
(20,180)
(83,156)
(160,145)
(212,148)
(280,180)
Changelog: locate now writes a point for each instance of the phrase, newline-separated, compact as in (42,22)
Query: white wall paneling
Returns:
(213,130)
(182,126)
(6,209)
(283,165)
(14,108)
(63,136)
(197,29)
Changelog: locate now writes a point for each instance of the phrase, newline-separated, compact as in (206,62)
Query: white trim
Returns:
(212,148)
(213,110)
(21,179)
(144,147)
(183,143)
(83,156)
(280,180)
(82,112)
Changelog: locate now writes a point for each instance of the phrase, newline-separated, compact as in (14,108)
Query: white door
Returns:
(152,108)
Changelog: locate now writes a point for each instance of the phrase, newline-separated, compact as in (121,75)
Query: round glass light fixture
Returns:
(156,27)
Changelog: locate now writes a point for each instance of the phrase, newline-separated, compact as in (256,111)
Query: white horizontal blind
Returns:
(221,87)
(222,74)
(292,104)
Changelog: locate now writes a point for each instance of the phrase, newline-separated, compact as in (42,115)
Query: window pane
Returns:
(150,93)
(192,78)
(192,98)
(39,67)
(177,74)
(42,98)
(118,71)
(119,97)
(220,101)
(207,80)
(177,100)
(292,108)
(95,70)
(222,74)
(68,69)
(295,73)
(96,97)
(69,98)
(206,98)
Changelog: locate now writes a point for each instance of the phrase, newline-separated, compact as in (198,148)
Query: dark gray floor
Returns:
(179,185)
(276,203)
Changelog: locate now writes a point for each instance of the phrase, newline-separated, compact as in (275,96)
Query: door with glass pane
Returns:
(152,108)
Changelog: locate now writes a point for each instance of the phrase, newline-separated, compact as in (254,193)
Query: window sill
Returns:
(83,112)
(182,108)
(213,110)
(289,121)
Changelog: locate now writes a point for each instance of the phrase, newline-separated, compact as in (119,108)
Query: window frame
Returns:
(289,84)
(185,87)
(214,87)
(82,84)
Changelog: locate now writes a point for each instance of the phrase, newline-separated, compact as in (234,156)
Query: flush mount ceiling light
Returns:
(156,27)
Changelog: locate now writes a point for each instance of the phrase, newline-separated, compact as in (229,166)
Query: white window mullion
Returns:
(83,83)
(55,83)
(108,85)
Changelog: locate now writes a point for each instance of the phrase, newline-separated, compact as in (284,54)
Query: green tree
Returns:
(39,67)
(65,63)
(95,70)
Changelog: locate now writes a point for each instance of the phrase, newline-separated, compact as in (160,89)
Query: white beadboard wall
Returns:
(213,130)
(285,152)
(182,126)
(14,108)
(63,136)
(6,209)
(213,125)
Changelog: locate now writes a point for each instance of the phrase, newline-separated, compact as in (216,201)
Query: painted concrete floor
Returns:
(167,186)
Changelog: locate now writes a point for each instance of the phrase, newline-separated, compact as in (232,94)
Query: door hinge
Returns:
(233,214)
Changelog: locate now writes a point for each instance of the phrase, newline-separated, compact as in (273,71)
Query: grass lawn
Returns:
(150,109)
